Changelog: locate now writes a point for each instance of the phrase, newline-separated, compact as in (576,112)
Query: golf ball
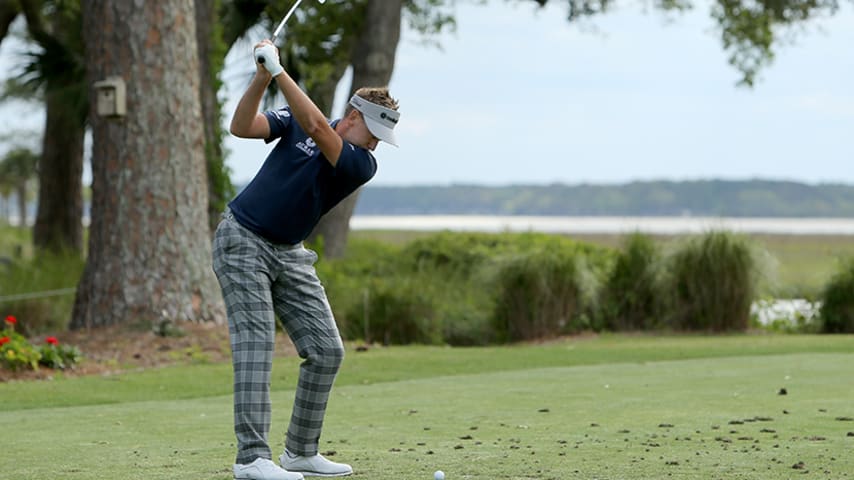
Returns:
(439,475)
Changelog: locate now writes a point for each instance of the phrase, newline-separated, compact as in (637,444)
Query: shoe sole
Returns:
(323,475)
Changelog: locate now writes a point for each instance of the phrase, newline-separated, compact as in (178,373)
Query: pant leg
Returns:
(301,303)
(239,263)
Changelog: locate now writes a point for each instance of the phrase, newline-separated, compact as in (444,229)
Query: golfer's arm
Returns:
(247,122)
(310,118)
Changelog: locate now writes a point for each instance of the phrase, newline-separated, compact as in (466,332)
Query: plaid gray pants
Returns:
(259,278)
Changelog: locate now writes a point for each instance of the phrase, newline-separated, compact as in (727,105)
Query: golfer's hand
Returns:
(267,52)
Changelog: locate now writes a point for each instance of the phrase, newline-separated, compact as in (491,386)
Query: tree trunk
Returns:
(212,51)
(58,226)
(373,63)
(149,244)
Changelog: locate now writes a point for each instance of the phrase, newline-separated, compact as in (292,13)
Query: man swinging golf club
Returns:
(264,270)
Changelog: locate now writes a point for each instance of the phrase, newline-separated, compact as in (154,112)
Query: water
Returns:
(606,225)
(602,225)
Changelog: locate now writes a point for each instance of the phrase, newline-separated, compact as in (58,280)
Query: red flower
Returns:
(4,340)
(52,340)
(11,320)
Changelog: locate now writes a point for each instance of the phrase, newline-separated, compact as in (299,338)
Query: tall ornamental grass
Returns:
(545,293)
(837,302)
(633,296)
(713,280)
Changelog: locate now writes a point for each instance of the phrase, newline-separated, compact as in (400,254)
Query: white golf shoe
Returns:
(263,469)
(314,466)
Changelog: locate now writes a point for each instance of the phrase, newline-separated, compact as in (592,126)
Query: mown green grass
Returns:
(608,407)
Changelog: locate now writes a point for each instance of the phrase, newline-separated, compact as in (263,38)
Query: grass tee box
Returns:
(610,408)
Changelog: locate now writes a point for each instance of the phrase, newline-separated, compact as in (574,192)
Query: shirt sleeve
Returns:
(279,120)
(355,164)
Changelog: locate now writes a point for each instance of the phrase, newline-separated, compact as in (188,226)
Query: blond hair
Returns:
(376,95)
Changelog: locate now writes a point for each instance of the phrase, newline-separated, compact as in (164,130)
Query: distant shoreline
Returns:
(601,224)
(659,225)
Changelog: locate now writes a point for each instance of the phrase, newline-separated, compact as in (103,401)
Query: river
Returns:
(606,225)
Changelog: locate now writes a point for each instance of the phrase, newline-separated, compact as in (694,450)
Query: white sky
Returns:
(518,95)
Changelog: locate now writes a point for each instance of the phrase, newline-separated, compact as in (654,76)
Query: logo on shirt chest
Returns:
(307,146)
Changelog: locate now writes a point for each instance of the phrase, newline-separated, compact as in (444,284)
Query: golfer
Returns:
(264,269)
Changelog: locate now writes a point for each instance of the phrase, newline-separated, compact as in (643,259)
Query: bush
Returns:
(547,292)
(437,289)
(633,295)
(837,303)
(16,352)
(58,357)
(713,279)
(349,280)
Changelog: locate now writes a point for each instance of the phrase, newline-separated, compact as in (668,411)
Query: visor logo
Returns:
(388,117)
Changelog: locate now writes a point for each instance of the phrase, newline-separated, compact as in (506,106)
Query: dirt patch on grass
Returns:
(121,348)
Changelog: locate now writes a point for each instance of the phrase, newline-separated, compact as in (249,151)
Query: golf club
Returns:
(278,29)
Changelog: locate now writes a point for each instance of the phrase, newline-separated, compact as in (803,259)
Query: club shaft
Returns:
(278,29)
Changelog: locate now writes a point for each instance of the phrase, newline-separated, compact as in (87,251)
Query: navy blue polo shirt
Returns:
(296,185)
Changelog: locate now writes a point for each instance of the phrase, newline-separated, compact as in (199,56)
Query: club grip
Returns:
(260,59)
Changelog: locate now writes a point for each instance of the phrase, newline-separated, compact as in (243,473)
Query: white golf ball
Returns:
(439,475)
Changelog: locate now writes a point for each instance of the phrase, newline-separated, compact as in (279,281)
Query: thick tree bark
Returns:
(373,64)
(58,226)
(149,246)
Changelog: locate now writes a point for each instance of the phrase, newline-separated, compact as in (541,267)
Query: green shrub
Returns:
(545,293)
(16,352)
(402,311)
(442,288)
(713,279)
(837,303)
(349,280)
(58,357)
(633,295)
(457,253)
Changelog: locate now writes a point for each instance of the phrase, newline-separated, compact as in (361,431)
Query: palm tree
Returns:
(17,169)
(55,74)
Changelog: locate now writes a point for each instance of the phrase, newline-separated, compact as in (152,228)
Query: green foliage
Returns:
(633,294)
(220,188)
(457,288)
(16,352)
(837,304)
(541,294)
(59,357)
(41,291)
(750,30)
(400,310)
(713,280)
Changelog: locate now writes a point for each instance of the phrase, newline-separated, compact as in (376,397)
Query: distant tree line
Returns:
(751,198)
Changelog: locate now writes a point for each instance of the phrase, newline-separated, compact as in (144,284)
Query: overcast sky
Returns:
(517,95)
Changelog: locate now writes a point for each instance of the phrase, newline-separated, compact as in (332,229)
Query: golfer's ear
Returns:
(353,115)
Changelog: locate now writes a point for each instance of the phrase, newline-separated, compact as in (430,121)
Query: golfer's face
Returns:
(363,137)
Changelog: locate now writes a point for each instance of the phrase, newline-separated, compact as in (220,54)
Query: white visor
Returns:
(380,120)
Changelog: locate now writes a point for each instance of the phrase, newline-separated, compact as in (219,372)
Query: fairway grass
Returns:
(606,408)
